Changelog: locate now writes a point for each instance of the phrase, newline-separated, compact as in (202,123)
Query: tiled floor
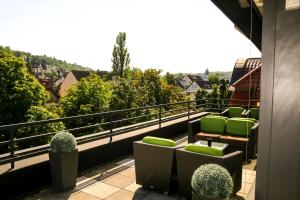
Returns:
(116,181)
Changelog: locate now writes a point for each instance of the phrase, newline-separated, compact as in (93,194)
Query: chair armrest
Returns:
(225,112)
(255,127)
(233,154)
(245,113)
(193,128)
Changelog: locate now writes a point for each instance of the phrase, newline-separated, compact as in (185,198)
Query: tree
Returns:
(151,79)
(19,89)
(170,79)
(214,98)
(224,94)
(201,96)
(214,78)
(120,56)
(37,113)
(89,95)
(206,72)
(123,95)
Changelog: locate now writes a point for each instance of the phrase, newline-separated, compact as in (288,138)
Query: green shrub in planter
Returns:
(63,142)
(211,181)
(63,156)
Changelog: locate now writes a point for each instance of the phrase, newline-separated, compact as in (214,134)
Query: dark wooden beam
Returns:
(241,17)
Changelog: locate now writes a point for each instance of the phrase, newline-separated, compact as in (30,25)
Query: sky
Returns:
(173,35)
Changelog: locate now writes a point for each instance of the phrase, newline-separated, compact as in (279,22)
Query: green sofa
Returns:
(239,133)
(234,112)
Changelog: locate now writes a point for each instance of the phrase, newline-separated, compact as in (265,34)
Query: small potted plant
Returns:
(211,182)
(63,156)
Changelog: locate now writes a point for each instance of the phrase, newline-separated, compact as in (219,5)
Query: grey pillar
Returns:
(278,171)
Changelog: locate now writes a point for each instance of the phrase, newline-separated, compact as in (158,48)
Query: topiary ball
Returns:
(63,142)
(212,181)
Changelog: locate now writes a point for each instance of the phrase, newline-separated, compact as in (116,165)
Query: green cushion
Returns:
(213,124)
(217,116)
(240,127)
(159,141)
(204,150)
(254,113)
(235,111)
(242,118)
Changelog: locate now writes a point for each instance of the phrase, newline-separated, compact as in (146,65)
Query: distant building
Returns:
(73,77)
(245,81)
(192,83)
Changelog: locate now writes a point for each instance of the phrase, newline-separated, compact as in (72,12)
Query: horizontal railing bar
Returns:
(107,113)
(89,138)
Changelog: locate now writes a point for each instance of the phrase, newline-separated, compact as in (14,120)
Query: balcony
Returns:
(106,165)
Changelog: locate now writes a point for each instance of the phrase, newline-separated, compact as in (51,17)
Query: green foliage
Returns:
(63,142)
(44,61)
(212,181)
(170,94)
(120,55)
(37,113)
(19,89)
(214,78)
(201,96)
(89,95)
(170,79)
(123,95)
(223,93)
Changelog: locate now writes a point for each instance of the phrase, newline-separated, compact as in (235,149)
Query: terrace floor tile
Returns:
(119,181)
(129,172)
(83,196)
(124,195)
(100,190)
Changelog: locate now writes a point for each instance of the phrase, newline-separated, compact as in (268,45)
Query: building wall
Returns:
(67,84)
(278,169)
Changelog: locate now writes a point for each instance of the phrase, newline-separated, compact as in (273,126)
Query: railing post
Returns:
(12,149)
(189,109)
(160,115)
(110,128)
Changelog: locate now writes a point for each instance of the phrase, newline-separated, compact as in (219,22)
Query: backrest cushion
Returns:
(235,111)
(217,116)
(159,141)
(242,118)
(254,113)
(204,150)
(213,124)
(240,127)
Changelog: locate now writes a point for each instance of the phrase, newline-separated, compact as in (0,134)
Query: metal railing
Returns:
(142,117)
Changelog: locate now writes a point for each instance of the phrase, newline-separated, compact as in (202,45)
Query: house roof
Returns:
(81,74)
(198,79)
(244,66)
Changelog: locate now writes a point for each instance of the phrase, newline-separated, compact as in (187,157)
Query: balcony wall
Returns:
(33,174)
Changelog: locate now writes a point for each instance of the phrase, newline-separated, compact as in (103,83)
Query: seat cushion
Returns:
(159,141)
(239,127)
(213,124)
(204,150)
(254,113)
(235,111)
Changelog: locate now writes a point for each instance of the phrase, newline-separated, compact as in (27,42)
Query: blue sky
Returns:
(172,35)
